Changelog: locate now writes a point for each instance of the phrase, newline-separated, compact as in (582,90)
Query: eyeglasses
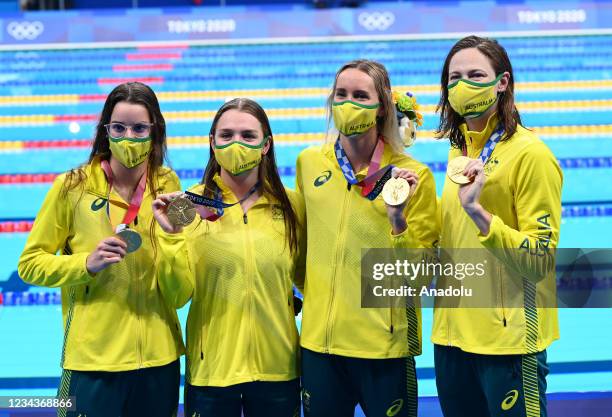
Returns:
(118,130)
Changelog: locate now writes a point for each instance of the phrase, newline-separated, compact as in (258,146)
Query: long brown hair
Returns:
(268,171)
(386,125)
(133,93)
(506,109)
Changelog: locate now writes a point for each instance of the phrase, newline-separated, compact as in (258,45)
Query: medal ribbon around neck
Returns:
(136,200)
(492,142)
(203,203)
(372,184)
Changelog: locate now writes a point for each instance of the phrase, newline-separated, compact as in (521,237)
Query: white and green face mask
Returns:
(471,99)
(352,119)
(130,152)
(238,157)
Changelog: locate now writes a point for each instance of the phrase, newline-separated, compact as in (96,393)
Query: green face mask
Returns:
(353,119)
(471,99)
(239,157)
(130,152)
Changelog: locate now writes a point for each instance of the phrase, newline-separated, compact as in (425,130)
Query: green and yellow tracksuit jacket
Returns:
(239,273)
(116,320)
(340,223)
(523,193)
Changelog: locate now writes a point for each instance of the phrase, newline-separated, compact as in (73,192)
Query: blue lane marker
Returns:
(564,163)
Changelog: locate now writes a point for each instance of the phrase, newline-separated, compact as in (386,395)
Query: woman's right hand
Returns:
(110,250)
(160,211)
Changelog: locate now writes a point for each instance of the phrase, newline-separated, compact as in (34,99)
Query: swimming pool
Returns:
(49,101)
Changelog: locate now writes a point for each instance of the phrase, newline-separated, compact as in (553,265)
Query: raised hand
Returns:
(110,250)
(160,212)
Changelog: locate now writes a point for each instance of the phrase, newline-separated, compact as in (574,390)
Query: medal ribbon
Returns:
(492,142)
(373,183)
(217,203)
(137,195)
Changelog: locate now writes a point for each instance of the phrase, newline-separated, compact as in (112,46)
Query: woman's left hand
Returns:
(469,194)
(160,212)
(396,213)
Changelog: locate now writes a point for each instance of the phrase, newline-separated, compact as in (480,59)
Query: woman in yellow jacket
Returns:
(491,360)
(352,354)
(238,271)
(121,341)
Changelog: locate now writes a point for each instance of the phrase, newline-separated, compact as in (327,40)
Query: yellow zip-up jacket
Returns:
(118,319)
(340,223)
(523,193)
(238,272)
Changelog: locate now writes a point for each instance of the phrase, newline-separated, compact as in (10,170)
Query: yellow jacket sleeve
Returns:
(175,278)
(300,211)
(536,186)
(298,178)
(300,258)
(173,183)
(421,215)
(39,263)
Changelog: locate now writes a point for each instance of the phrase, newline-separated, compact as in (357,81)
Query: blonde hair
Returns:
(385,125)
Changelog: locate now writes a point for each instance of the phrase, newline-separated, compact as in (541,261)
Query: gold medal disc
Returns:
(396,191)
(455,169)
(181,211)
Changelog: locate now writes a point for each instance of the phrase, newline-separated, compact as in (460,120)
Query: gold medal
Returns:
(181,212)
(396,191)
(131,238)
(455,169)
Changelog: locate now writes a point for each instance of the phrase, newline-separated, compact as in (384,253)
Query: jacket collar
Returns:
(387,156)
(96,178)
(228,194)
(477,140)
(97,183)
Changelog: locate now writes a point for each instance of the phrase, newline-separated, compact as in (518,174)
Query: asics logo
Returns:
(510,400)
(376,20)
(395,408)
(323,178)
(25,30)
(98,204)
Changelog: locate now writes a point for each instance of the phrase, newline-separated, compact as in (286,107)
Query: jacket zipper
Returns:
(201,331)
(338,255)
(501,281)
(248,276)
(391,312)
(201,325)
(139,324)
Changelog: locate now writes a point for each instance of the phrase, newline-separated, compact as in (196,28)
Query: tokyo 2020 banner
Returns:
(240,23)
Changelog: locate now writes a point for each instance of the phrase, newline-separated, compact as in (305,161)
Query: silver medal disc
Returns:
(131,238)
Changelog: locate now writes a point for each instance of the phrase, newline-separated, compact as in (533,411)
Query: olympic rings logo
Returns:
(25,30)
(376,20)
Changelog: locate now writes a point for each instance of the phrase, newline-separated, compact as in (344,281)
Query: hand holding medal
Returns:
(456,168)
(110,250)
(396,194)
(130,237)
(396,191)
(469,173)
(181,211)
(400,187)
(173,211)
(469,194)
